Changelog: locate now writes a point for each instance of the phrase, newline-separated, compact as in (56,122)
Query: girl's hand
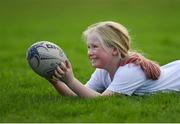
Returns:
(64,72)
(55,80)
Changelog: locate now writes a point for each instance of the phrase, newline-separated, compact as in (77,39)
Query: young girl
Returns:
(118,69)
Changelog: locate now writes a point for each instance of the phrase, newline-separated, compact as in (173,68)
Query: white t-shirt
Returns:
(130,79)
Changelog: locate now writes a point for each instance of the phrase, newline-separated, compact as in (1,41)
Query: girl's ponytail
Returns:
(150,68)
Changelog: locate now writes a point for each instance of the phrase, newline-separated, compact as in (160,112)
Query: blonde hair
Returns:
(113,34)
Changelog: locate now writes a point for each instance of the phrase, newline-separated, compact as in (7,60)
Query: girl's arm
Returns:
(82,91)
(61,87)
(64,71)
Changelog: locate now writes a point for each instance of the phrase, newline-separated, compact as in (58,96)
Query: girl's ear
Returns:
(114,51)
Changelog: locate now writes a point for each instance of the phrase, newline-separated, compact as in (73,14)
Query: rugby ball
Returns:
(44,56)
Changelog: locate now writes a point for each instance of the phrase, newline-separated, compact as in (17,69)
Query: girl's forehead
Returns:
(93,38)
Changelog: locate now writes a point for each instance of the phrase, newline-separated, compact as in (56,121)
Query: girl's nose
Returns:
(90,52)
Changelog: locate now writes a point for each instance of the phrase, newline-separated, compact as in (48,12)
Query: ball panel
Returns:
(44,56)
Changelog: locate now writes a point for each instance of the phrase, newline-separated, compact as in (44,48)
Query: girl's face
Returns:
(99,54)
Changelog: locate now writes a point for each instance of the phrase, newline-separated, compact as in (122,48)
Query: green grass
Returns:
(26,97)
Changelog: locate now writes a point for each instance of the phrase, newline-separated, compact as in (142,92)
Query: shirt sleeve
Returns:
(127,79)
(96,81)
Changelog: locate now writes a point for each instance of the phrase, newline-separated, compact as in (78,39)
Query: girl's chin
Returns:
(96,66)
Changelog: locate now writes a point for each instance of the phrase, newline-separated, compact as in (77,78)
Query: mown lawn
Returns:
(25,97)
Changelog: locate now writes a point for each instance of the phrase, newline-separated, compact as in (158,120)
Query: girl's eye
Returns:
(95,46)
(92,46)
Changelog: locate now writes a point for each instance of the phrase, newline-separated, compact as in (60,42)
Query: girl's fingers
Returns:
(68,64)
(59,70)
(63,66)
(56,74)
(54,78)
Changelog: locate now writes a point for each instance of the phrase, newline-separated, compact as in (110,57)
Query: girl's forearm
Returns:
(63,89)
(82,91)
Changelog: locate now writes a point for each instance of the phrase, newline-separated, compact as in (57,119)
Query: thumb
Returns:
(68,64)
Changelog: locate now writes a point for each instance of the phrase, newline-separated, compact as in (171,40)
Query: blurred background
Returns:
(154,26)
